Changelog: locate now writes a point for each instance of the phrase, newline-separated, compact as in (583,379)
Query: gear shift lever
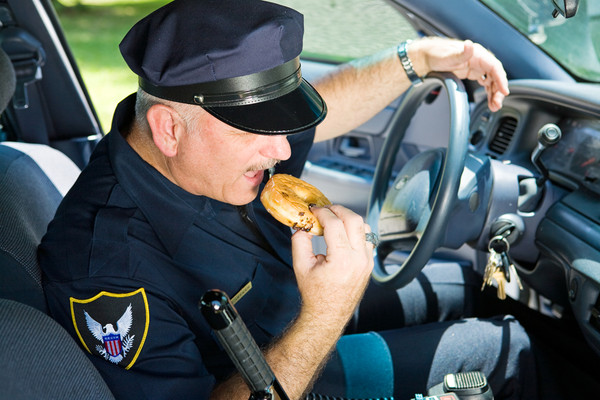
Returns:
(548,135)
(531,187)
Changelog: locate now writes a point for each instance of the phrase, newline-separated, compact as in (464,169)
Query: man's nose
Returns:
(277,147)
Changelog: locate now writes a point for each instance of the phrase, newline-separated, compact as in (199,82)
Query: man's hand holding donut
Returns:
(331,285)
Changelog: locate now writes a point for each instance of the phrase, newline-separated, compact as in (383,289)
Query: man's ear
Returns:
(165,125)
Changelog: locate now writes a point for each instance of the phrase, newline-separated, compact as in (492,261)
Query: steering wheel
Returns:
(414,211)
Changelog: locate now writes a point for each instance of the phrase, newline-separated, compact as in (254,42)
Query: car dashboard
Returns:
(511,134)
(563,231)
(575,160)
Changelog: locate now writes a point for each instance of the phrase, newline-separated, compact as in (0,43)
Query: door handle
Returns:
(351,147)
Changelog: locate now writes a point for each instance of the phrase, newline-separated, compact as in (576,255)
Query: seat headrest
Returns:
(8,80)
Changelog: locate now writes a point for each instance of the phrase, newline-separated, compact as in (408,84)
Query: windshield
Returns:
(573,42)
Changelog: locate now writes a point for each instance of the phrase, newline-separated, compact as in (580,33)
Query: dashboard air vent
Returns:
(504,134)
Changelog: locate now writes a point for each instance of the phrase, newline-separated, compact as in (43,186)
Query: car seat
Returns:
(38,358)
(28,201)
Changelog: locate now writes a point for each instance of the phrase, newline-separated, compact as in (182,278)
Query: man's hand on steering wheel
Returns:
(466,60)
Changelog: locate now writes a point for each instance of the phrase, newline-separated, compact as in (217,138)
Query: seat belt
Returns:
(28,57)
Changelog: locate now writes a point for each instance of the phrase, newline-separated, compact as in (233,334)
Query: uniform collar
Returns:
(169,209)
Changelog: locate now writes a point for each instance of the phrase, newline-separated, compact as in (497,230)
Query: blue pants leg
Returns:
(443,291)
(420,356)
(422,334)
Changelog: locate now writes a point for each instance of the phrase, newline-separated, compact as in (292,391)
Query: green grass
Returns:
(94,30)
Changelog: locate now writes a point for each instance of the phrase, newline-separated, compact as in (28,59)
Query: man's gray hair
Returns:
(144,101)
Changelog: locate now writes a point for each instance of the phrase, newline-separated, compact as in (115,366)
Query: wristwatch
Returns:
(407,64)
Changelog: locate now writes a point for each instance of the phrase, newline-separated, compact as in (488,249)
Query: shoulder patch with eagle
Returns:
(112,325)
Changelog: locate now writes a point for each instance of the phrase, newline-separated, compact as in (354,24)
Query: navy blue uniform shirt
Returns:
(129,255)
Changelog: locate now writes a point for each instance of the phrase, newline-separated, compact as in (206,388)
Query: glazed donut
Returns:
(287,199)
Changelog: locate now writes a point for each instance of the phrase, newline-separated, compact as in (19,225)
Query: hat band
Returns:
(243,90)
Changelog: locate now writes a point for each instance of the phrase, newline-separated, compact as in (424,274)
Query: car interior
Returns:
(38,358)
(529,174)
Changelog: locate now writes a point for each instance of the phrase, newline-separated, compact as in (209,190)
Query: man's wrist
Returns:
(407,64)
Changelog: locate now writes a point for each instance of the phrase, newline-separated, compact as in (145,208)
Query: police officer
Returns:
(167,209)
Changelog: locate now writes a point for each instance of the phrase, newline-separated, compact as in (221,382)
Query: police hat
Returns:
(237,59)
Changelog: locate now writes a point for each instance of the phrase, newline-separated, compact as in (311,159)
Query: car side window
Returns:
(335,31)
(338,31)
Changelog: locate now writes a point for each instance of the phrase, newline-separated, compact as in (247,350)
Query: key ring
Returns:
(498,238)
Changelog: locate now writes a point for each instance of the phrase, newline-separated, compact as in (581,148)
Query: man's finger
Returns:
(353,224)
(334,232)
(302,249)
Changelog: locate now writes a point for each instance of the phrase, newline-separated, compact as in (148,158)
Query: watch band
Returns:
(407,64)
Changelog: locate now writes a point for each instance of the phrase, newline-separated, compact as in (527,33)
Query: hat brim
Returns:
(297,111)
